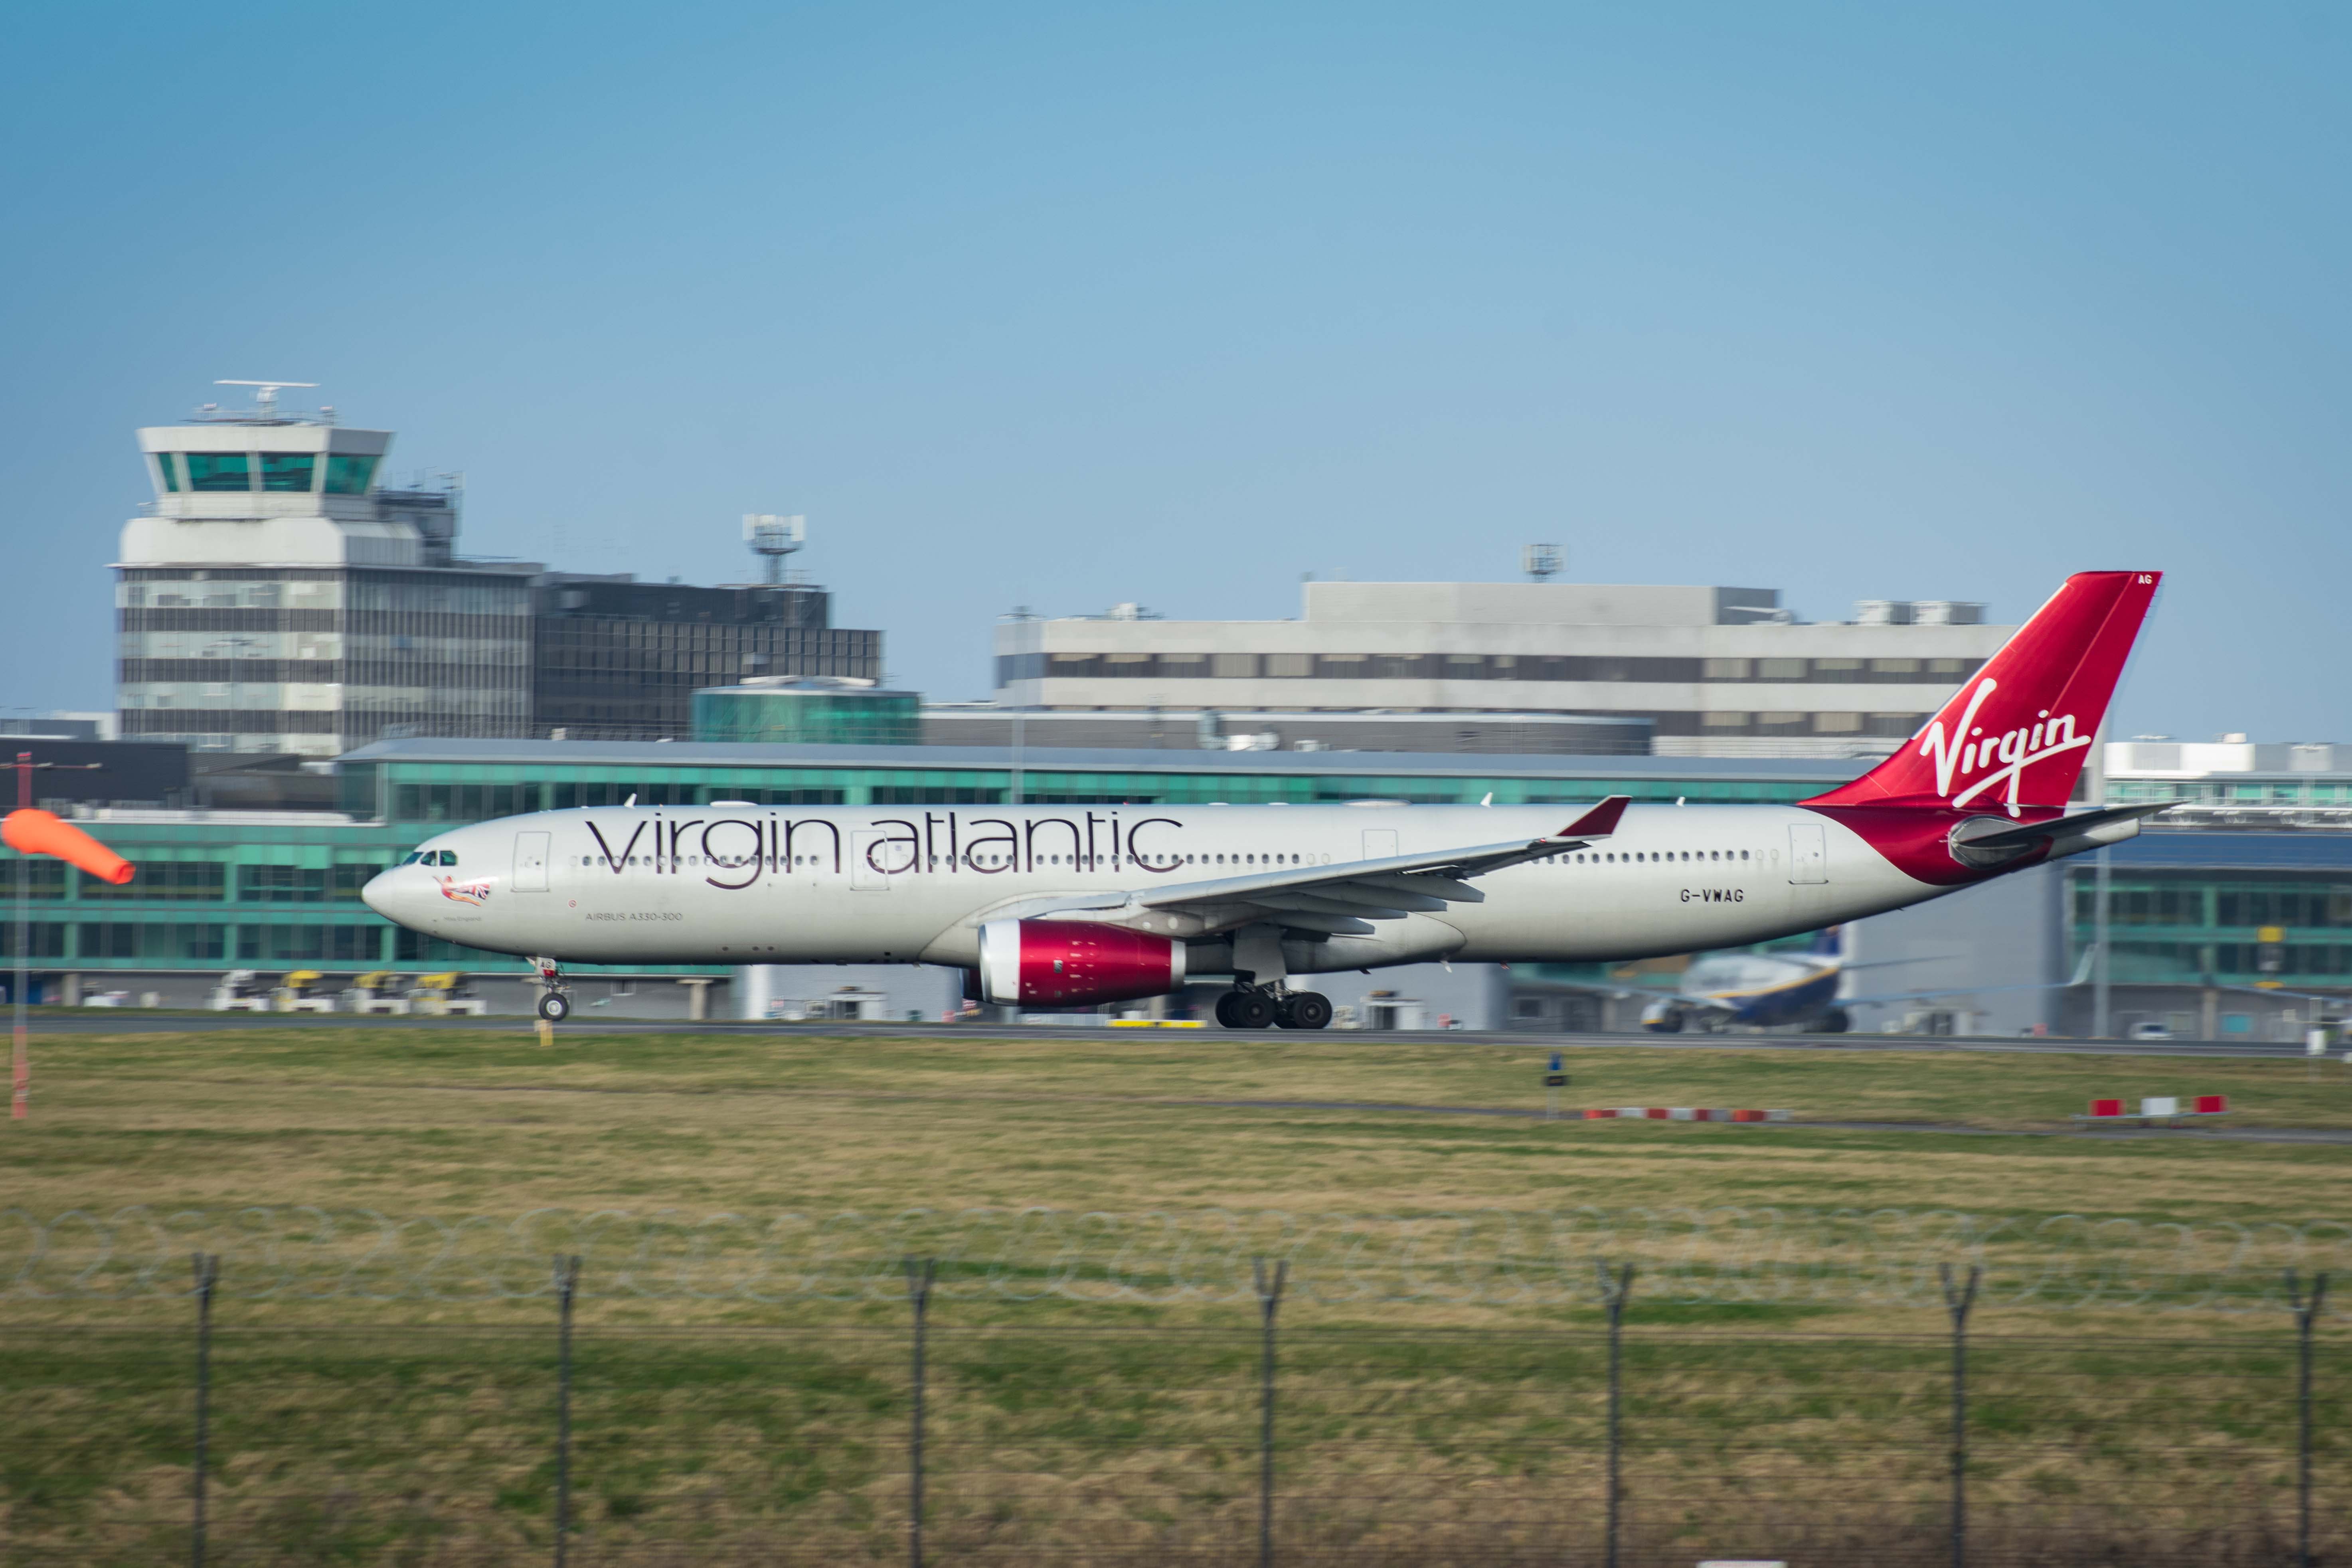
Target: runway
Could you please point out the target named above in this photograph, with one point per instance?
(121, 1021)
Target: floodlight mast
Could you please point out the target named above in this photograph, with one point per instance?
(773, 537)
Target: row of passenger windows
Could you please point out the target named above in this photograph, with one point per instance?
(1083, 863)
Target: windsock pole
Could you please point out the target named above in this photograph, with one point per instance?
(20, 1059)
(30, 832)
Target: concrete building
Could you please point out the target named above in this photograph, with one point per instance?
(1714, 671)
(273, 598)
(276, 598)
(616, 660)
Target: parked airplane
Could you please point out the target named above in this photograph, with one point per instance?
(1786, 990)
(1062, 906)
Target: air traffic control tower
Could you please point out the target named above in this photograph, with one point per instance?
(273, 597)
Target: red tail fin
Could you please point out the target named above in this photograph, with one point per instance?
(2019, 731)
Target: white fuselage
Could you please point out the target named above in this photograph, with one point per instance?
(658, 884)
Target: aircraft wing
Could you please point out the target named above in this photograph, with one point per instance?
(1343, 898)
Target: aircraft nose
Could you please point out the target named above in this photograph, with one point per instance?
(377, 894)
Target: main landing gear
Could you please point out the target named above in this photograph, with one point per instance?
(1255, 1007)
(554, 996)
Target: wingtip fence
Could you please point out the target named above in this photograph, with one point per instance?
(1481, 1258)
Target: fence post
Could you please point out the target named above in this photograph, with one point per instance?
(567, 1286)
(1957, 1299)
(919, 1291)
(1613, 1292)
(2307, 1316)
(208, 1267)
(1269, 1301)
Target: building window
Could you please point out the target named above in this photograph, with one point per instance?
(281, 884)
(1725, 669)
(288, 470)
(1234, 666)
(1780, 670)
(1907, 667)
(1289, 666)
(219, 471)
(1837, 723)
(1781, 720)
(167, 469)
(164, 881)
(43, 938)
(348, 475)
(1724, 721)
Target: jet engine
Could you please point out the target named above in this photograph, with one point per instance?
(1060, 964)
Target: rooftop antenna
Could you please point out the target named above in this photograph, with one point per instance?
(1541, 561)
(265, 400)
(773, 538)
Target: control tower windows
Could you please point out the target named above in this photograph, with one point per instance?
(288, 470)
(167, 469)
(220, 470)
(348, 475)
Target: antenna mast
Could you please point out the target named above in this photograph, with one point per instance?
(1541, 562)
(772, 537)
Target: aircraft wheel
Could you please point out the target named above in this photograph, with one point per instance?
(1835, 1022)
(1245, 1010)
(1305, 1010)
(554, 1006)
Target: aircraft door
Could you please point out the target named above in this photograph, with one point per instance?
(1380, 843)
(866, 847)
(1808, 858)
(530, 863)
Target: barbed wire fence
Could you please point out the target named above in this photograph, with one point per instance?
(1489, 1258)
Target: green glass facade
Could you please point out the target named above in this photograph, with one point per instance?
(2191, 908)
(2225, 926)
(768, 716)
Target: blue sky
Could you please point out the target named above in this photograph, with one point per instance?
(1061, 306)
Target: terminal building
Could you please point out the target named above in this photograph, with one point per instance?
(1711, 671)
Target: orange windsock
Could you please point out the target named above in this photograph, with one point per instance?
(32, 832)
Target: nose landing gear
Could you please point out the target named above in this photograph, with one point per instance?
(554, 996)
(1259, 1007)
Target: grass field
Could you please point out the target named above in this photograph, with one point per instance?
(418, 1431)
(455, 1121)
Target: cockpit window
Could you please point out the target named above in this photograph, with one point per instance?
(413, 856)
(448, 857)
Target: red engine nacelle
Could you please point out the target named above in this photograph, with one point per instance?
(1059, 963)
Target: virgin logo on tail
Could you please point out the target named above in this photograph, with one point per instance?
(1969, 750)
(2017, 734)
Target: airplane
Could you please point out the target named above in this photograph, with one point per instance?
(1053, 906)
(1780, 990)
